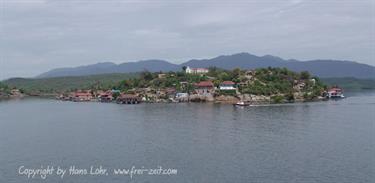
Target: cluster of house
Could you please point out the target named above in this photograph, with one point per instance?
(201, 89)
(101, 96)
(137, 95)
(207, 87)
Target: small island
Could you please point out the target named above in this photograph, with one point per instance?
(257, 86)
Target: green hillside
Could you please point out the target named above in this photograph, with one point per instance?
(350, 83)
(61, 84)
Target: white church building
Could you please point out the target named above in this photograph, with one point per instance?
(190, 70)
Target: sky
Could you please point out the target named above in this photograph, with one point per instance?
(39, 35)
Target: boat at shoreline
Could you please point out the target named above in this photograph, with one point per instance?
(335, 93)
(242, 104)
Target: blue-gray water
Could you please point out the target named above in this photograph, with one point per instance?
(309, 142)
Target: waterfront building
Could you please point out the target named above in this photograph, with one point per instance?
(105, 96)
(204, 87)
(82, 96)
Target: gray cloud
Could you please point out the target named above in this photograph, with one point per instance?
(38, 35)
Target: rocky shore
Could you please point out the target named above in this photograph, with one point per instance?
(12, 94)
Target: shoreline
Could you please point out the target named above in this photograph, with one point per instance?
(220, 102)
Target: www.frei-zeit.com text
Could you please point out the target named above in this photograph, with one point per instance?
(44, 171)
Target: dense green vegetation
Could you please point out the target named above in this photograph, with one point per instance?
(4, 91)
(271, 81)
(3, 85)
(351, 83)
(4, 88)
(62, 84)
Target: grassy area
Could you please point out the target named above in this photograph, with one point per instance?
(61, 84)
(350, 83)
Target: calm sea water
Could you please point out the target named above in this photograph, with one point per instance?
(330, 141)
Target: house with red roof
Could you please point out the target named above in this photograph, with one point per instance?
(204, 87)
(81, 96)
(106, 96)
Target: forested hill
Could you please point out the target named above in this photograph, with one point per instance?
(321, 68)
(58, 84)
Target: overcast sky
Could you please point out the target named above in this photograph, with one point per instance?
(39, 35)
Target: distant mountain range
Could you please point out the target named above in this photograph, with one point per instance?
(321, 68)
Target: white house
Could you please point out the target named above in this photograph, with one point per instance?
(196, 70)
(227, 85)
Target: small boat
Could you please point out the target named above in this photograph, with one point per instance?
(335, 93)
(241, 103)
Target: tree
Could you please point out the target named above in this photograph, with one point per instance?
(305, 75)
(146, 75)
(217, 82)
(290, 97)
(3, 86)
(236, 73)
(115, 95)
(224, 76)
(184, 68)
